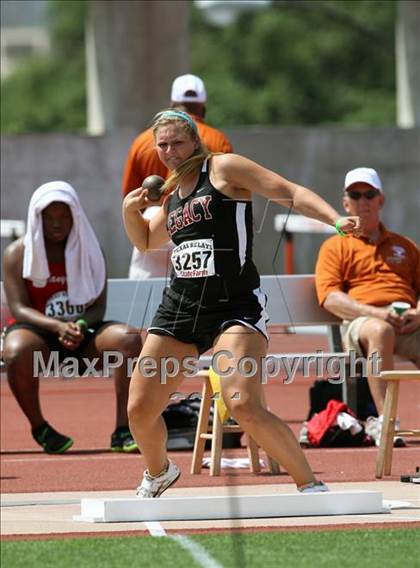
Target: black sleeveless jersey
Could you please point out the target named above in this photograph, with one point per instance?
(213, 234)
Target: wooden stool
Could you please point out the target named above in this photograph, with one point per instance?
(215, 434)
(392, 378)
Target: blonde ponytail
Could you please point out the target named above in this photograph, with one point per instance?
(188, 167)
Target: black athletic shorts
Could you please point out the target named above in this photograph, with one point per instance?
(51, 339)
(190, 322)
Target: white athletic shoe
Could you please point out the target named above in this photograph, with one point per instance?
(374, 429)
(303, 436)
(152, 487)
(314, 487)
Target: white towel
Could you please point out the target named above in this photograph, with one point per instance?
(85, 264)
(235, 463)
(347, 422)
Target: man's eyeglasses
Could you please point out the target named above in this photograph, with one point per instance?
(356, 195)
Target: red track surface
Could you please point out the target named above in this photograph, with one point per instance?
(84, 409)
(242, 530)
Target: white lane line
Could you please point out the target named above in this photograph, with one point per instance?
(200, 554)
(155, 528)
(395, 504)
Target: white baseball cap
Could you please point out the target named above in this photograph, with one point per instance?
(188, 89)
(363, 175)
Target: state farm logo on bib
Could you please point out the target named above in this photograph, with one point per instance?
(59, 307)
(194, 259)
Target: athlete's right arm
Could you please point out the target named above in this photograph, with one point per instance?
(145, 235)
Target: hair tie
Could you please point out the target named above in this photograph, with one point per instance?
(177, 114)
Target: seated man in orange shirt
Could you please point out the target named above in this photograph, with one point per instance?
(358, 278)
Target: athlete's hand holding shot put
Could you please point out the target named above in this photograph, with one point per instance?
(214, 298)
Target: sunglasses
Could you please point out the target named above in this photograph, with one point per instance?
(356, 195)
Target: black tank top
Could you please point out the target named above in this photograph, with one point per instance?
(212, 233)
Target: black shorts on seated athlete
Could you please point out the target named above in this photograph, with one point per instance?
(191, 322)
(52, 341)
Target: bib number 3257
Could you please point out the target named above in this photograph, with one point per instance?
(194, 259)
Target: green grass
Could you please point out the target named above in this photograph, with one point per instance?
(381, 548)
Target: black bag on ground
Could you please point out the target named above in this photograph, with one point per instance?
(181, 420)
(335, 437)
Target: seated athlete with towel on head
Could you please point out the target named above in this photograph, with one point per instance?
(55, 282)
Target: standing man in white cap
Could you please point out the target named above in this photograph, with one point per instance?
(189, 95)
(359, 278)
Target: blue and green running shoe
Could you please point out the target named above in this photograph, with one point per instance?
(123, 441)
(50, 440)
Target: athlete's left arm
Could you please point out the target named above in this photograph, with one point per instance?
(242, 173)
